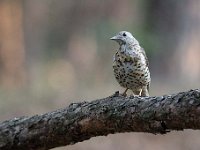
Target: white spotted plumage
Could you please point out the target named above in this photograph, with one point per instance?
(130, 65)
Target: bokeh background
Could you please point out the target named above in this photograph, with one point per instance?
(54, 52)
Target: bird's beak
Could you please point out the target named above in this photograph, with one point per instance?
(114, 38)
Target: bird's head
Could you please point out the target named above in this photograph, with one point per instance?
(124, 37)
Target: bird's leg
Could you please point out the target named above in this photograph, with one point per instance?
(140, 92)
(137, 93)
(124, 94)
(145, 92)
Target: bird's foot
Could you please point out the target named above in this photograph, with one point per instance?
(134, 96)
(124, 94)
(116, 94)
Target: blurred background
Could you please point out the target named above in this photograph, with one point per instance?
(53, 53)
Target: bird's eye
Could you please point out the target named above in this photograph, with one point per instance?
(124, 34)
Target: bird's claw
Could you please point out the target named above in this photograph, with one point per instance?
(124, 94)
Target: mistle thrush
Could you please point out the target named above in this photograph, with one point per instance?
(130, 65)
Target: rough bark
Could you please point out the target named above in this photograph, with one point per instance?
(114, 114)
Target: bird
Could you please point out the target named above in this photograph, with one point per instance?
(130, 65)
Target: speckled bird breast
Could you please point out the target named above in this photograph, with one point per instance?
(130, 72)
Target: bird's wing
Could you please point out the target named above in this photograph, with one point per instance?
(147, 63)
(145, 56)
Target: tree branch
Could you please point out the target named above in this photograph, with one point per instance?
(114, 114)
